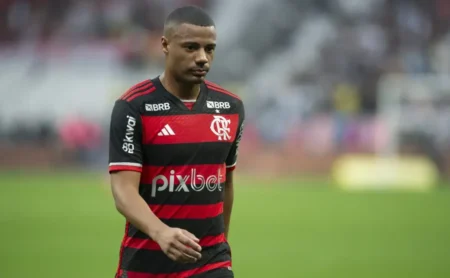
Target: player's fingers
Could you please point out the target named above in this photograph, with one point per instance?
(178, 256)
(174, 254)
(190, 235)
(189, 242)
(188, 251)
(171, 256)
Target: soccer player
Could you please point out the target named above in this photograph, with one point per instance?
(173, 147)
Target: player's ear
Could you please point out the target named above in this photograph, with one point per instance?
(165, 45)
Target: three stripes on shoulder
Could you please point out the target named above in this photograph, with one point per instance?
(140, 89)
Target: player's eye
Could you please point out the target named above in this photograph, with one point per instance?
(190, 47)
(210, 49)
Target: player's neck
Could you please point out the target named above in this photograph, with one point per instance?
(180, 90)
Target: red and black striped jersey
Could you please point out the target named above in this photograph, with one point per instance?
(183, 151)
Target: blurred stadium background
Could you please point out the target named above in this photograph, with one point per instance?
(344, 165)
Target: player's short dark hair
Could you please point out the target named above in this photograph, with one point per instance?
(191, 15)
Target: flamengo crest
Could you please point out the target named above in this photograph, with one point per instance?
(220, 127)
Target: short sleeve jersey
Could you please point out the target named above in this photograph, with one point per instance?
(183, 154)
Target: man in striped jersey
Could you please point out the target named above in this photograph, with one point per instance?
(173, 148)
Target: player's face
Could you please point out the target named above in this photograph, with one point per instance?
(190, 52)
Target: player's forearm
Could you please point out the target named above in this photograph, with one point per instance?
(228, 206)
(131, 205)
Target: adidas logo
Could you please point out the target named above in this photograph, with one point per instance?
(166, 131)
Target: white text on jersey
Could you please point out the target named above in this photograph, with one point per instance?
(197, 182)
(128, 141)
(218, 104)
(157, 107)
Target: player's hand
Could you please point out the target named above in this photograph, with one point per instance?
(179, 245)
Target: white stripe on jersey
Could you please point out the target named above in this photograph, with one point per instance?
(125, 164)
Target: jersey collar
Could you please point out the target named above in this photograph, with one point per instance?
(199, 104)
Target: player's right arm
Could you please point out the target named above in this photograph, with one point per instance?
(125, 167)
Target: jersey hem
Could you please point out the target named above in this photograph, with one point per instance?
(187, 273)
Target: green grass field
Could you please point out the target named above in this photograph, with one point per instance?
(65, 225)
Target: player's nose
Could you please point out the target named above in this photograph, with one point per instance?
(201, 57)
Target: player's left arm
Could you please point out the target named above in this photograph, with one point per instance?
(228, 201)
(231, 165)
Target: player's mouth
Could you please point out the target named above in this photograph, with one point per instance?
(199, 72)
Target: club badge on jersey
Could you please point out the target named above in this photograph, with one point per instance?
(220, 127)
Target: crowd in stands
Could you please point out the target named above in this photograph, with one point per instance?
(291, 59)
